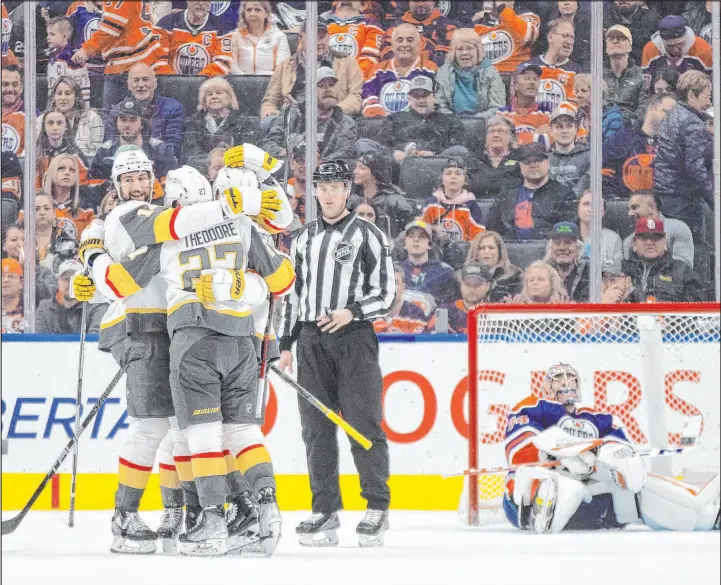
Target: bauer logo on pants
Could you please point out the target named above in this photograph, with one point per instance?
(343, 252)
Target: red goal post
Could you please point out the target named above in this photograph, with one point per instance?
(644, 349)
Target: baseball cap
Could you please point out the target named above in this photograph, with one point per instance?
(523, 67)
(68, 266)
(563, 109)
(419, 224)
(421, 82)
(564, 229)
(532, 150)
(646, 225)
(131, 108)
(619, 28)
(672, 27)
(326, 73)
(476, 271)
(12, 266)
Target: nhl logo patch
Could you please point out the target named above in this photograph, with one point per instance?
(343, 252)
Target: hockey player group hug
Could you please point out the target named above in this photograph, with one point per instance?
(188, 284)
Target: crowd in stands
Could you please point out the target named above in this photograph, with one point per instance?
(467, 124)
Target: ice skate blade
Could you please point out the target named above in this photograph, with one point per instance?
(237, 542)
(368, 541)
(213, 547)
(124, 546)
(319, 539)
(170, 546)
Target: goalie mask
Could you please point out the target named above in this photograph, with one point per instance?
(562, 384)
(241, 179)
(132, 159)
(186, 186)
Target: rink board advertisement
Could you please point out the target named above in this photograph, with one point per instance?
(425, 405)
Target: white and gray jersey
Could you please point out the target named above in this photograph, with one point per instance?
(345, 265)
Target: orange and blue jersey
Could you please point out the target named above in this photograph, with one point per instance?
(85, 22)
(461, 222)
(526, 123)
(411, 319)
(436, 32)
(360, 37)
(386, 92)
(556, 84)
(507, 43)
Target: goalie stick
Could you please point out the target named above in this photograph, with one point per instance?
(689, 438)
(9, 526)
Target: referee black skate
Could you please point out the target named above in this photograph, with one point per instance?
(344, 279)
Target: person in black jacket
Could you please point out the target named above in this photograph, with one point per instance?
(372, 184)
(490, 251)
(497, 168)
(682, 177)
(529, 211)
(655, 274)
(564, 254)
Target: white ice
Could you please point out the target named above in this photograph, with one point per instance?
(422, 548)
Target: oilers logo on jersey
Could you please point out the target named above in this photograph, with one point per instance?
(498, 45)
(394, 95)
(90, 27)
(219, 8)
(344, 44)
(452, 229)
(11, 139)
(191, 59)
(579, 428)
(551, 93)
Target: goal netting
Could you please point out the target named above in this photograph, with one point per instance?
(650, 365)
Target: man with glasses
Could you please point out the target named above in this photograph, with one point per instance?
(675, 47)
(655, 274)
(623, 77)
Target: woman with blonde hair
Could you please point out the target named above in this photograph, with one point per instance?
(257, 45)
(468, 84)
(217, 122)
(489, 250)
(62, 183)
(541, 284)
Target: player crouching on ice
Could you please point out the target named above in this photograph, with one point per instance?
(606, 486)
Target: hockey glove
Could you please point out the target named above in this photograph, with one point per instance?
(619, 464)
(92, 242)
(269, 204)
(253, 158)
(582, 465)
(219, 284)
(83, 287)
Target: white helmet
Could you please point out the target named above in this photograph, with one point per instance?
(185, 186)
(131, 159)
(241, 179)
(562, 379)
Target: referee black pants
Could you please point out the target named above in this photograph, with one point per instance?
(341, 369)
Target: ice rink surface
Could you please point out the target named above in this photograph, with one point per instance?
(422, 548)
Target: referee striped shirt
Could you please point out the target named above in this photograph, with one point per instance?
(345, 265)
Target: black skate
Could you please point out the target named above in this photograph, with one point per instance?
(371, 528)
(207, 536)
(131, 535)
(241, 518)
(319, 530)
(169, 529)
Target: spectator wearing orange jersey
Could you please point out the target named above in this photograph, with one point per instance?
(474, 281)
(435, 31)
(452, 208)
(194, 41)
(506, 35)
(126, 36)
(640, 17)
(557, 69)
(354, 34)
(258, 45)
(62, 184)
(13, 110)
(406, 316)
(524, 112)
(675, 46)
(13, 313)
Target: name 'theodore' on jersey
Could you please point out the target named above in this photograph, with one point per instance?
(345, 265)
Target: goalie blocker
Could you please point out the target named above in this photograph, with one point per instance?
(607, 487)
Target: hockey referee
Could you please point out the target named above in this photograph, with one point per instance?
(344, 279)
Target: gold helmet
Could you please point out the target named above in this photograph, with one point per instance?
(562, 379)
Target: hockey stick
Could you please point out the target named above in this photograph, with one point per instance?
(9, 526)
(78, 403)
(689, 438)
(330, 414)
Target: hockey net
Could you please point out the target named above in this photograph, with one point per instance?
(651, 366)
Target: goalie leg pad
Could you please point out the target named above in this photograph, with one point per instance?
(136, 460)
(667, 504)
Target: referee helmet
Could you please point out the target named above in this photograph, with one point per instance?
(331, 171)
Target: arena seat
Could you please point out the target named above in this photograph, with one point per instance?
(522, 254)
(475, 134)
(485, 205)
(455, 254)
(420, 175)
(616, 218)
